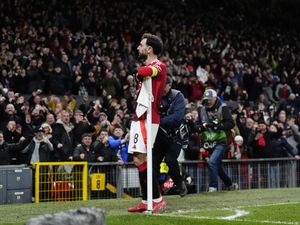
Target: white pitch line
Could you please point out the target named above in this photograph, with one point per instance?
(238, 213)
(271, 204)
(268, 221)
(224, 218)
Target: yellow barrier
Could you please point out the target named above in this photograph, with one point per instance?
(60, 181)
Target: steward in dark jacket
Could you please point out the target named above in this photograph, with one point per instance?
(168, 142)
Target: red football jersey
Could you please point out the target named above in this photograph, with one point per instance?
(158, 85)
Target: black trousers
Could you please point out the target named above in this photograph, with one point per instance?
(168, 150)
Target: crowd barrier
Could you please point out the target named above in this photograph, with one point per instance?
(60, 181)
(249, 174)
(70, 181)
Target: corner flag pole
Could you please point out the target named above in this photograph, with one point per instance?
(149, 148)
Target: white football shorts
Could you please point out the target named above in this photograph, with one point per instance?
(138, 136)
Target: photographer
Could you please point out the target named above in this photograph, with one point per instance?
(215, 121)
(168, 142)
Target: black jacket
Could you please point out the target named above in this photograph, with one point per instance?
(225, 123)
(61, 136)
(7, 150)
(172, 110)
(105, 151)
(89, 156)
(280, 148)
(79, 129)
(260, 148)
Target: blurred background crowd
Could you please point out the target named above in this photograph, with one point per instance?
(68, 74)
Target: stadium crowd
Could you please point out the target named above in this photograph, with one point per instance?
(68, 75)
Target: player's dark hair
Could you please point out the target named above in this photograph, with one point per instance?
(154, 41)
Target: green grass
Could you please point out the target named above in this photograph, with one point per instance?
(265, 205)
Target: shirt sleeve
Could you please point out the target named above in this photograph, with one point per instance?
(149, 71)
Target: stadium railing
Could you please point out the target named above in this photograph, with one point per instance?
(70, 181)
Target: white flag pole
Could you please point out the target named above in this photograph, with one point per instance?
(149, 148)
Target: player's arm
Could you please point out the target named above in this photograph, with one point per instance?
(148, 71)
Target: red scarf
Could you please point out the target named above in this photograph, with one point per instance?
(261, 142)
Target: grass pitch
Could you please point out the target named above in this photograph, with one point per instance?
(264, 206)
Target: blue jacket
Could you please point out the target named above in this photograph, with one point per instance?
(173, 110)
(120, 149)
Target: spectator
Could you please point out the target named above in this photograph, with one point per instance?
(34, 77)
(119, 144)
(197, 88)
(85, 151)
(280, 148)
(193, 152)
(39, 149)
(66, 70)
(11, 135)
(292, 134)
(111, 84)
(7, 149)
(92, 84)
(245, 126)
(47, 129)
(103, 123)
(10, 114)
(37, 116)
(63, 138)
(260, 141)
(94, 112)
(55, 81)
(282, 119)
(81, 126)
(50, 119)
(103, 150)
(283, 90)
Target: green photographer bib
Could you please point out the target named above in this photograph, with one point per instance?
(211, 136)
